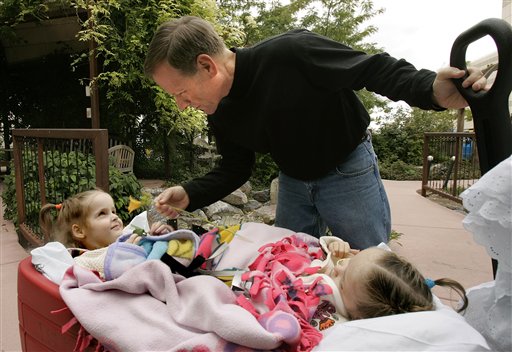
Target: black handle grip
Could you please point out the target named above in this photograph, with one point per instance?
(501, 32)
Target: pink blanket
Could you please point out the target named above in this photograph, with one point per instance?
(150, 309)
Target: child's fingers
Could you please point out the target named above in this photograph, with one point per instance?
(353, 252)
(159, 228)
(156, 227)
(134, 238)
(340, 249)
(168, 228)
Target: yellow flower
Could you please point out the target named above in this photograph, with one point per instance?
(144, 202)
(134, 204)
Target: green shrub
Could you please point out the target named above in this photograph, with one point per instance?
(121, 187)
(265, 170)
(66, 174)
(9, 197)
(399, 170)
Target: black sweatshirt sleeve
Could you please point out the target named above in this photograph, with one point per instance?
(333, 64)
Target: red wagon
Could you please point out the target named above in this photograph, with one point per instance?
(42, 313)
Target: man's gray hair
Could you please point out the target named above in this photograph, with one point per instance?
(178, 42)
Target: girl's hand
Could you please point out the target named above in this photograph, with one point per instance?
(160, 228)
(341, 249)
(133, 239)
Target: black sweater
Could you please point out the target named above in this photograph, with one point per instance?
(293, 97)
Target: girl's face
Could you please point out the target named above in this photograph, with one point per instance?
(349, 275)
(102, 226)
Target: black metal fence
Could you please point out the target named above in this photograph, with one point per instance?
(450, 164)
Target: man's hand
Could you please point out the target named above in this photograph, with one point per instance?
(446, 95)
(171, 200)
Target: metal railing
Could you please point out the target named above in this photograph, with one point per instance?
(450, 164)
(52, 164)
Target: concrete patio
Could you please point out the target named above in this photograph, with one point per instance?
(433, 239)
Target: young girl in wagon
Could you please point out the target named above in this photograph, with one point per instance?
(333, 284)
(378, 282)
(86, 224)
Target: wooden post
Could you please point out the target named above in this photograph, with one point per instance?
(460, 120)
(93, 73)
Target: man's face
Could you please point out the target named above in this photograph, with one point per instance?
(198, 90)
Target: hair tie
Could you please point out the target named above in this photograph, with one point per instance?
(430, 283)
(58, 206)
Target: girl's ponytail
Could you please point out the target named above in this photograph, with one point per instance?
(47, 219)
(457, 287)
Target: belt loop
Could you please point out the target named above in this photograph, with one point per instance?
(367, 136)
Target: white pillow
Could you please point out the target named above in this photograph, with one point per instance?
(52, 260)
(439, 330)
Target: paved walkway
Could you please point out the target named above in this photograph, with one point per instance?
(433, 239)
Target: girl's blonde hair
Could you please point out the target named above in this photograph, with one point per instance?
(393, 286)
(56, 220)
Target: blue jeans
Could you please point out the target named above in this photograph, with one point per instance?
(350, 200)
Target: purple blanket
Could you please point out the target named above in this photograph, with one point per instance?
(150, 309)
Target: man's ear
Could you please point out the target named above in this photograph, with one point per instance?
(205, 62)
(77, 232)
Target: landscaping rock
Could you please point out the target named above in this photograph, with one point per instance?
(236, 198)
(262, 196)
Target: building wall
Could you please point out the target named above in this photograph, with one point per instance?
(491, 59)
(507, 11)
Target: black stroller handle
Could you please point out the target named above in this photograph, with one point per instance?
(501, 32)
(491, 116)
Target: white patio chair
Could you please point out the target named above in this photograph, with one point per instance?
(123, 157)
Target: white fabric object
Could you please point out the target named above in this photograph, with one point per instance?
(439, 330)
(489, 202)
(490, 315)
(139, 221)
(52, 260)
